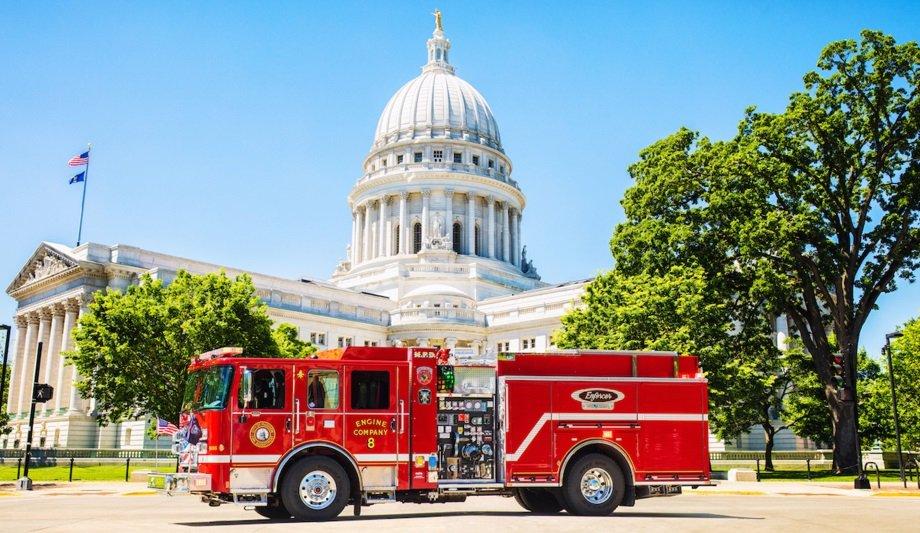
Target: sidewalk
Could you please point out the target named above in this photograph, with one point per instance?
(805, 488)
(77, 488)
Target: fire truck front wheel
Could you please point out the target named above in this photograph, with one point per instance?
(540, 501)
(594, 485)
(315, 488)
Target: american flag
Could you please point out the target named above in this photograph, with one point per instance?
(165, 427)
(79, 160)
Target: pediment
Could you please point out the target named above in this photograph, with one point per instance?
(44, 263)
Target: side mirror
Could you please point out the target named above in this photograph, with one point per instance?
(246, 387)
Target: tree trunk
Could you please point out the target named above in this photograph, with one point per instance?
(846, 458)
(768, 450)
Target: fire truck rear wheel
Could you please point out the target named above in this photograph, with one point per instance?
(540, 501)
(594, 485)
(315, 488)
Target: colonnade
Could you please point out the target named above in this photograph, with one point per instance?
(391, 213)
(51, 325)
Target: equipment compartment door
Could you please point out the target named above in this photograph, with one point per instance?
(262, 429)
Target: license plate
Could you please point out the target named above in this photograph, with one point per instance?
(664, 490)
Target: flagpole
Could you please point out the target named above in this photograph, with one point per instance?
(83, 201)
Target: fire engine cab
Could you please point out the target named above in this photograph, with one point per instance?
(584, 431)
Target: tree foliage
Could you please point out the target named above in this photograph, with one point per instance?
(289, 344)
(132, 348)
(905, 357)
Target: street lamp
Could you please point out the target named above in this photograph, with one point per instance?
(894, 401)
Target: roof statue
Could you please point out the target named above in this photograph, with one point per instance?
(437, 20)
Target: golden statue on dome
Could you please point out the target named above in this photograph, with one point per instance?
(437, 20)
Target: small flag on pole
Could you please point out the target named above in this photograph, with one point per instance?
(164, 427)
(78, 178)
(79, 160)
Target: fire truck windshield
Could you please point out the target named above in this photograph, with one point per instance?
(207, 389)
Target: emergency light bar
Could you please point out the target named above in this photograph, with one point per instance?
(220, 352)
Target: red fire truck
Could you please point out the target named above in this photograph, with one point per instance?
(583, 431)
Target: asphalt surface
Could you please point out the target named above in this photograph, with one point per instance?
(116, 509)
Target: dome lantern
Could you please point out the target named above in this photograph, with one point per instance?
(438, 47)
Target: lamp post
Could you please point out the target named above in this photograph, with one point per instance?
(5, 343)
(894, 402)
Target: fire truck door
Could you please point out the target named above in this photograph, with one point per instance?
(317, 404)
(373, 421)
(262, 428)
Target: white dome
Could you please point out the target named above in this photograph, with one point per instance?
(437, 105)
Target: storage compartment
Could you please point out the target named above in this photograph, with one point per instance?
(466, 423)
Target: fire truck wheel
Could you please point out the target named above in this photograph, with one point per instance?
(315, 488)
(594, 485)
(540, 501)
(274, 512)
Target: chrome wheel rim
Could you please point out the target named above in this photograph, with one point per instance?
(317, 490)
(596, 486)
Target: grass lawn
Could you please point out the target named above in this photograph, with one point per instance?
(107, 472)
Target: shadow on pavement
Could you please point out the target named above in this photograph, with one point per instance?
(371, 518)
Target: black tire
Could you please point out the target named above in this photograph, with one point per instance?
(539, 501)
(274, 511)
(322, 470)
(604, 490)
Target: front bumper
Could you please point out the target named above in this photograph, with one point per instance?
(179, 483)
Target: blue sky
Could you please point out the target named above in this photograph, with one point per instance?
(232, 132)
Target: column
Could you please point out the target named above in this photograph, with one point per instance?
(491, 227)
(514, 238)
(53, 351)
(27, 369)
(353, 257)
(517, 238)
(470, 223)
(13, 391)
(74, 402)
(403, 242)
(426, 198)
(366, 234)
(382, 227)
(449, 214)
(506, 234)
(358, 243)
(70, 317)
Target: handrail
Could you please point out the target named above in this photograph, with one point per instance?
(878, 473)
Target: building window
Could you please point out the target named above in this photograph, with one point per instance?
(491, 163)
(418, 157)
(476, 160)
(476, 241)
(438, 156)
(267, 390)
(458, 157)
(501, 169)
(416, 237)
(370, 343)
(503, 346)
(41, 442)
(528, 344)
(318, 339)
(458, 238)
(323, 389)
(370, 389)
(345, 342)
(399, 159)
(396, 240)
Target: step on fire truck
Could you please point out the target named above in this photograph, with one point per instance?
(583, 431)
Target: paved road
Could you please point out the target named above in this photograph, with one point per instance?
(110, 511)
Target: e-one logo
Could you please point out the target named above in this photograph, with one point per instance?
(597, 399)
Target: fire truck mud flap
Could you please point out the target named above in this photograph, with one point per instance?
(179, 483)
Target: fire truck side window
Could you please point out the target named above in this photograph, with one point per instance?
(323, 389)
(370, 389)
(267, 390)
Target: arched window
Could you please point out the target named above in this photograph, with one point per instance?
(458, 237)
(416, 237)
(478, 241)
(396, 240)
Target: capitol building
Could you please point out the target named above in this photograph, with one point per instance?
(435, 258)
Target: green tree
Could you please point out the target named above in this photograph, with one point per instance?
(905, 358)
(288, 343)
(5, 416)
(132, 348)
(811, 213)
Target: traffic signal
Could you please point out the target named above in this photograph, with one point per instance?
(839, 378)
